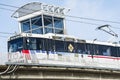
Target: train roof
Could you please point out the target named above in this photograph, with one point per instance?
(63, 37)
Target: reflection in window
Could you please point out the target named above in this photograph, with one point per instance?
(26, 26)
(58, 22)
(58, 31)
(50, 25)
(36, 22)
(38, 31)
(118, 51)
(59, 46)
(31, 43)
(13, 48)
(48, 30)
(40, 44)
(81, 48)
(107, 52)
(48, 21)
(15, 45)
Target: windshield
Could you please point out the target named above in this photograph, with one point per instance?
(15, 45)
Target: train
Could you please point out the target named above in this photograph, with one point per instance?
(43, 41)
(62, 50)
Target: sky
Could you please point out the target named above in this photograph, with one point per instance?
(96, 9)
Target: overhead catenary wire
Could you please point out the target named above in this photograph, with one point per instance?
(7, 9)
(115, 27)
(8, 5)
(67, 16)
(3, 36)
(83, 22)
(66, 19)
(92, 19)
(6, 33)
(14, 6)
(78, 21)
(85, 18)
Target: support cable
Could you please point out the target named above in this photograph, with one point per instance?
(5, 70)
(10, 69)
(14, 69)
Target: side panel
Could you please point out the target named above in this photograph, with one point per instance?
(48, 52)
(64, 59)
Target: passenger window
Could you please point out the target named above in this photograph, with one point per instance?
(58, 23)
(106, 51)
(26, 26)
(31, 43)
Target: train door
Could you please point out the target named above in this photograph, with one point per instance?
(118, 52)
(41, 51)
(91, 50)
(115, 52)
(49, 46)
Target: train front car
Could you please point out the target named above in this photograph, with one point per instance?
(46, 50)
(35, 49)
(24, 50)
(62, 50)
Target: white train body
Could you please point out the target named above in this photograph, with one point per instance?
(93, 54)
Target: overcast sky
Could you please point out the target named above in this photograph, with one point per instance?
(97, 9)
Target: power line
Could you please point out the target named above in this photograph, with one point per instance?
(4, 36)
(67, 15)
(5, 33)
(89, 23)
(83, 22)
(15, 6)
(7, 9)
(12, 11)
(114, 27)
(93, 19)
(67, 19)
(9, 5)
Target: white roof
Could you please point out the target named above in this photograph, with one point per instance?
(62, 36)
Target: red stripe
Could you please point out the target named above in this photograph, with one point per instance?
(25, 51)
(26, 54)
(106, 57)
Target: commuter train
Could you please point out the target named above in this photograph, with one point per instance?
(62, 50)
